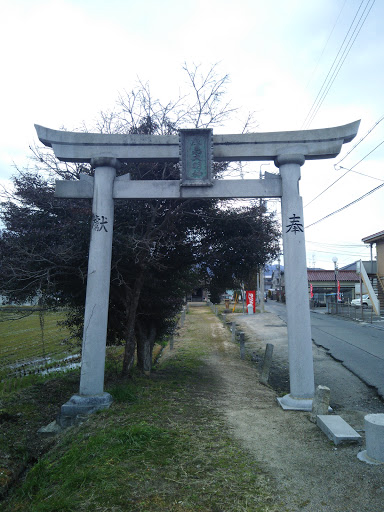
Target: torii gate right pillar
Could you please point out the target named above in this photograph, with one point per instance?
(301, 373)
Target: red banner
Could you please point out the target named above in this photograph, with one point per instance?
(338, 291)
(251, 299)
(311, 290)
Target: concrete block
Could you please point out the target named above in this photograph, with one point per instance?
(50, 430)
(337, 430)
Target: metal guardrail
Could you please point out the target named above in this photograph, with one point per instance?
(353, 313)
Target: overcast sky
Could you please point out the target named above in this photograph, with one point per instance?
(63, 61)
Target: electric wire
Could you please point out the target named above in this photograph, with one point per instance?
(361, 140)
(351, 245)
(330, 69)
(347, 171)
(346, 206)
(331, 185)
(325, 46)
(337, 63)
(364, 157)
(336, 71)
(362, 174)
(339, 253)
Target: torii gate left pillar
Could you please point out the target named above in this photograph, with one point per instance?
(91, 395)
(288, 150)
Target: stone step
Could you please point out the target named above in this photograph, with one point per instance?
(337, 430)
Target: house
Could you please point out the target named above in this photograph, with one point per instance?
(324, 283)
(321, 284)
(277, 288)
(377, 274)
(199, 294)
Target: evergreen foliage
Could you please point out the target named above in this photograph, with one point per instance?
(161, 248)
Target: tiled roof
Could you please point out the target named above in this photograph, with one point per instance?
(373, 238)
(329, 275)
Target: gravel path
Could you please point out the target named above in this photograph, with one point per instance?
(310, 473)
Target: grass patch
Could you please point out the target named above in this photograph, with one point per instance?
(21, 338)
(25, 350)
(158, 448)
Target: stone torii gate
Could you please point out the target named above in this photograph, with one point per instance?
(196, 149)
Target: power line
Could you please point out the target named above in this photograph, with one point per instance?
(333, 63)
(331, 185)
(362, 174)
(347, 205)
(338, 62)
(361, 140)
(348, 170)
(338, 252)
(326, 44)
(364, 157)
(351, 246)
(337, 70)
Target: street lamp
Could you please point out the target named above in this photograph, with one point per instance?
(334, 259)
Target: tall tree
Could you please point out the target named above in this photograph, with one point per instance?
(159, 246)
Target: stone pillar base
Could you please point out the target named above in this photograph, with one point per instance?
(288, 403)
(364, 457)
(79, 406)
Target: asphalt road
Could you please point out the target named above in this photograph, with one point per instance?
(358, 346)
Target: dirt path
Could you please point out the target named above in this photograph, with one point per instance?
(311, 474)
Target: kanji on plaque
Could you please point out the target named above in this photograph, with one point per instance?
(294, 226)
(196, 157)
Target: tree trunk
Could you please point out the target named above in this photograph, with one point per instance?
(129, 351)
(145, 342)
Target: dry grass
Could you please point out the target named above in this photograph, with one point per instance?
(162, 446)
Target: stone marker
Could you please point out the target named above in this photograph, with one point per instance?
(320, 404)
(250, 309)
(264, 376)
(242, 345)
(374, 438)
(233, 329)
(337, 430)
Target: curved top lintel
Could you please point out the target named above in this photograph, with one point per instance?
(82, 147)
